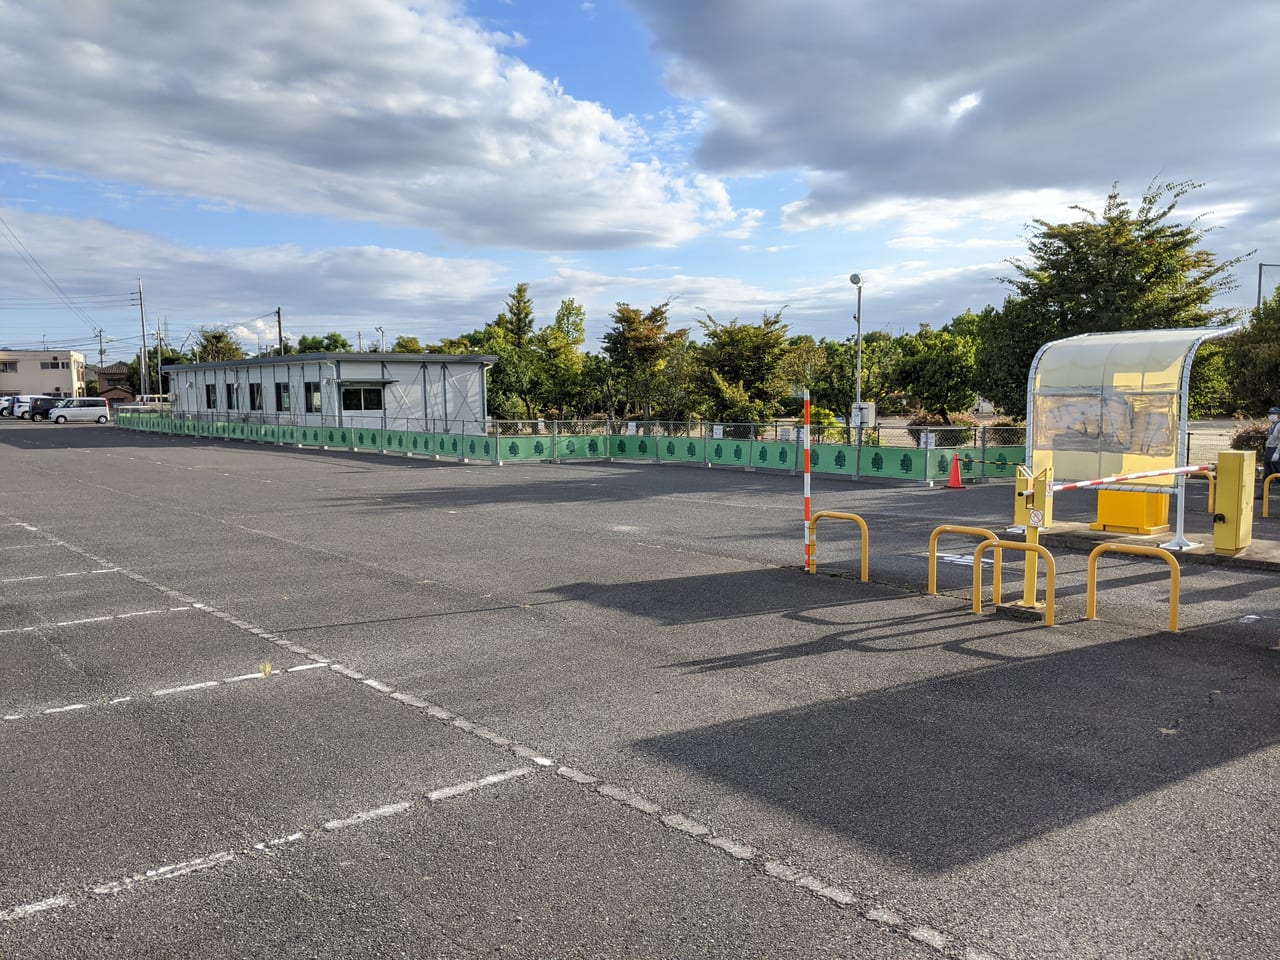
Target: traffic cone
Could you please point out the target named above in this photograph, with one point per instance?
(954, 483)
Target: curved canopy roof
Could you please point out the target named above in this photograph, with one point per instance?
(1103, 404)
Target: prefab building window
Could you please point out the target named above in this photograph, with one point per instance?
(361, 398)
(282, 398)
(311, 396)
(231, 397)
(255, 396)
(210, 396)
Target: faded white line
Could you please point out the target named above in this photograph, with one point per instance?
(184, 868)
(68, 708)
(30, 909)
(166, 872)
(164, 692)
(458, 789)
(390, 810)
(52, 576)
(184, 689)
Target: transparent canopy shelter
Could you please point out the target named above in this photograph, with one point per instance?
(1110, 404)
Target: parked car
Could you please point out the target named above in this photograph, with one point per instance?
(19, 406)
(81, 409)
(39, 407)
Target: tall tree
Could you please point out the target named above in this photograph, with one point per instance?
(332, 342)
(1254, 358)
(558, 360)
(748, 357)
(215, 345)
(935, 371)
(636, 345)
(407, 345)
(1122, 269)
(511, 335)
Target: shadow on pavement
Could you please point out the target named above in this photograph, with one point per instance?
(951, 770)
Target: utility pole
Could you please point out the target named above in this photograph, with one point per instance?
(359, 343)
(102, 351)
(280, 331)
(160, 339)
(144, 373)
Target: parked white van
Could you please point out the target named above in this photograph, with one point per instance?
(81, 409)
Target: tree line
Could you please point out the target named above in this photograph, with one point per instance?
(1121, 268)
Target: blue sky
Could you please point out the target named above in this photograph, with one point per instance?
(370, 163)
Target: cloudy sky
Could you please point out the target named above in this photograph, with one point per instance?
(376, 163)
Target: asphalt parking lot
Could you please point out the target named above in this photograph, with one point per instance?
(260, 701)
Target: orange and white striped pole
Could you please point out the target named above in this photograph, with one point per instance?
(808, 503)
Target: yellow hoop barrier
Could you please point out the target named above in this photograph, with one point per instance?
(1212, 483)
(813, 538)
(1266, 494)
(1175, 577)
(980, 532)
(1050, 573)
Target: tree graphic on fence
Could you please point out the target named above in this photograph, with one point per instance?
(943, 463)
(877, 462)
(693, 450)
(904, 465)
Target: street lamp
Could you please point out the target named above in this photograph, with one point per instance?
(382, 340)
(856, 280)
(1260, 266)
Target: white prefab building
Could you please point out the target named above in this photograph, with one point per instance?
(392, 391)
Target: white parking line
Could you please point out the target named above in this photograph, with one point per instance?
(103, 619)
(839, 895)
(54, 576)
(166, 691)
(173, 871)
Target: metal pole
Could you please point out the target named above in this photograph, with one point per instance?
(858, 388)
(144, 379)
(808, 515)
(280, 331)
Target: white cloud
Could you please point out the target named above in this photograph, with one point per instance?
(352, 109)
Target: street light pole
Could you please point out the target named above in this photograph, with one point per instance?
(1260, 266)
(856, 280)
(382, 340)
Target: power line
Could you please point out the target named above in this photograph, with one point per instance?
(38, 268)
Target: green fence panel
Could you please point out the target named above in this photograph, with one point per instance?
(898, 463)
(367, 438)
(632, 447)
(1003, 461)
(576, 447)
(524, 448)
(682, 449)
(938, 463)
(478, 447)
(415, 441)
(775, 455)
(733, 453)
(832, 458)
